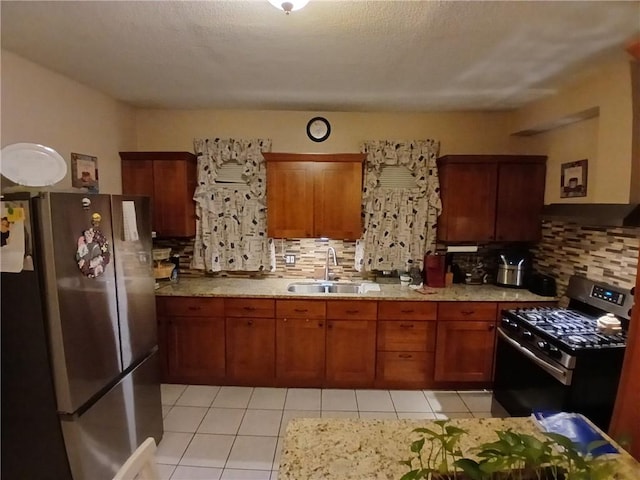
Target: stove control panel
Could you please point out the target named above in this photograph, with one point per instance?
(608, 295)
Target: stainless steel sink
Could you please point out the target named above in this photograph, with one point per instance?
(324, 287)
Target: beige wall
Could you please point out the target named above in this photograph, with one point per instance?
(40, 106)
(466, 132)
(605, 141)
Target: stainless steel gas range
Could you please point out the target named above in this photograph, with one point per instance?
(565, 359)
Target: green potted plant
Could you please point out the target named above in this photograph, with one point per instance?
(513, 456)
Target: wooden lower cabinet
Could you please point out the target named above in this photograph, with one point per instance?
(191, 339)
(251, 351)
(464, 351)
(300, 343)
(195, 349)
(251, 341)
(406, 344)
(465, 341)
(351, 353)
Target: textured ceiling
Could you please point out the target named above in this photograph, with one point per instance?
(331, 55)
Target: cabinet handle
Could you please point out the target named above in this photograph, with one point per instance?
(284, 319)
(249, 309)
(405, 355)
(406, 325)
(300, 310)
(491, 327)
(330, 325)
(249, 322)
(406, 311)
(468, 312)
(320, 324)
(351, 312)
(194, 308)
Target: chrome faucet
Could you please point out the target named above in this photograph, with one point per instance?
(326, 263)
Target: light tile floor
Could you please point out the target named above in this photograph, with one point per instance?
(235, 433)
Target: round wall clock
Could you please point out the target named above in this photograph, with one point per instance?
(318, 129)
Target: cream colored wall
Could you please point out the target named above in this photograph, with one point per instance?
(605, 141)
(466, 132)
(41, 106)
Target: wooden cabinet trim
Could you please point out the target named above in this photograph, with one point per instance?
(190, 306)
(249, 307)
(459, 311)
(315, 309)
(449, 159)
(407, 310)
(143, 156)
(314, 157)
(352, 309)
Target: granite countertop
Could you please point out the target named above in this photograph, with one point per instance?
(277, 288)
(344, 449)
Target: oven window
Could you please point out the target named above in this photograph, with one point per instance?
(521, 386)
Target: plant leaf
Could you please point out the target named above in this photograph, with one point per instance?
(417, 445)
(470, 467)
(412, 475)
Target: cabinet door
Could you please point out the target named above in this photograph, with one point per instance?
(195, 349)
(137, 177)
(520, 201)
(338, 200)
(300, 348)
(174, 185)
(351, 353)
(468, 202)
(290, 199)
(464, 351)
(251, 350)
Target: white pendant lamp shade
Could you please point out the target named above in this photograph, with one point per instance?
(289, 6)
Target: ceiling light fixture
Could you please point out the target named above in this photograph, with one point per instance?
(289, 7)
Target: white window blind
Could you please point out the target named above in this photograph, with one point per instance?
(396, 176)
(230, 172)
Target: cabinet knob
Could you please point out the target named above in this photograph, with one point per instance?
(330, 325)
(249, 322)
(194, 308)
(249, 309)
(300, 310)
(406, 325)
(351, 312)
(405, 355)
(320, 324)
(284, 319)
(406, 311)
(467, 312)
(491, 327)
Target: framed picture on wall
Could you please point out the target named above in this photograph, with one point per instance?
(84, 171)
(573, 179)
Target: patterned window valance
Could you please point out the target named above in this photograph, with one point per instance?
(399, 225)
(231, 223)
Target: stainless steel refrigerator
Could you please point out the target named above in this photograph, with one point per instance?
(80, 368)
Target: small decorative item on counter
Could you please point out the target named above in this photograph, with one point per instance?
(448, 277)
(405, 280)
(175, 259)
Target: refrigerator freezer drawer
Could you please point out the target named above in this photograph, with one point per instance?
(100, 440)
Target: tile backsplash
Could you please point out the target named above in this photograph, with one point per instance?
(310, 255)
(607, 254)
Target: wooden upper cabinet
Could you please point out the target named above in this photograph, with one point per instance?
(314, 195)
(488, 198)
(169, 178)
(290, 199)
(520, 201)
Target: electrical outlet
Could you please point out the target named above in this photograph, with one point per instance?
(289, 259)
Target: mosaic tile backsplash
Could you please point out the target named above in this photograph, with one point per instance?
(310, 255)
(607, 254)
(599, 253)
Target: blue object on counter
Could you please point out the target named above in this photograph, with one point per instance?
(575, 427)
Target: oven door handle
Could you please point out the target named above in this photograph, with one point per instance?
(563, 376)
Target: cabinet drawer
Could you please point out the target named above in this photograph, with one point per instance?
(407, 310)
(467, 311)
(249, 307)
(407, 335)
(358, 310)
(315, 309)
(401, 367)
(190, 306)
